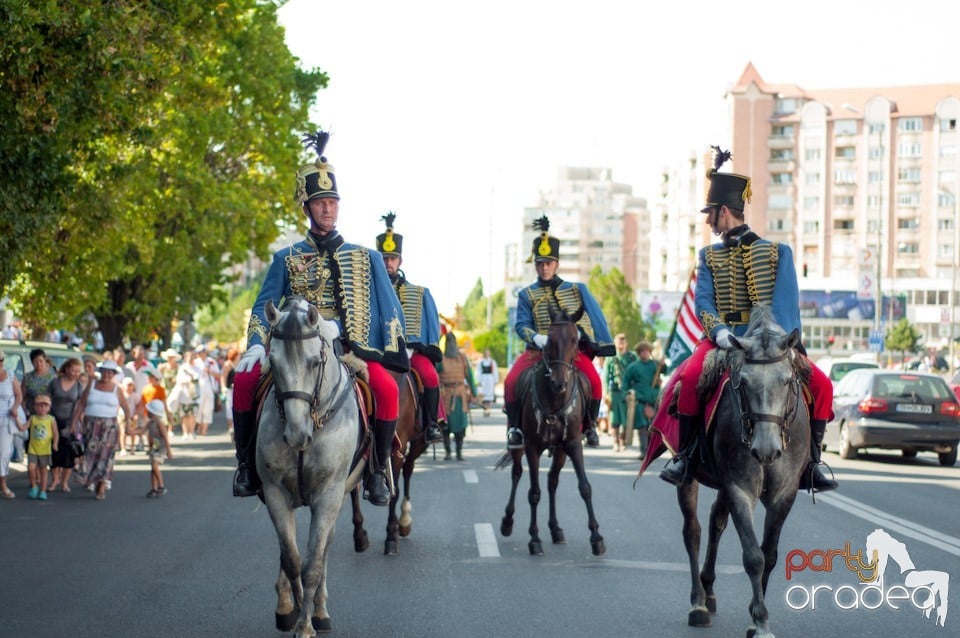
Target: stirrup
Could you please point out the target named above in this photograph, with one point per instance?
(514, 439)
(590, 434)
(676, 475)
(433, 434)
(375, 496)
(245, 482)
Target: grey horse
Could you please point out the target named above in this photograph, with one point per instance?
(756, 450)
(307, 439)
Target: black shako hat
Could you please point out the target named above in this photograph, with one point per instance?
(316, 180)
(545, 247)
(726, 189)
(390, 243)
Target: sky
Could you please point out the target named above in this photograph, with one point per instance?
(456, 114)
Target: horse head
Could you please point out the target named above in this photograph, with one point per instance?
(561, 349)
(764, 373)
(300, 347)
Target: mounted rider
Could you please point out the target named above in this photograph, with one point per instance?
(422, 323)
(349, 285)
(534, 304)
(733, 276)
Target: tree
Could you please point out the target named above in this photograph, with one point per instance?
(621, 310)
(172, 158)
(903, 337)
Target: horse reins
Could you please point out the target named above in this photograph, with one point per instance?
(748, 418)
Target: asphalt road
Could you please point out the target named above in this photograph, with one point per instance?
(198, 562)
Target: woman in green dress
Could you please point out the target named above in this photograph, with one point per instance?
(457, 388)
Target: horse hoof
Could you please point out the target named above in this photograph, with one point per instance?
(506, 527)
(321, 625)
(536, 548)
(286, 622)
(699, 617)
(361, 544)
(712, 603)
(405, 530)
(391, 548)
(599, 549)
(557, 536)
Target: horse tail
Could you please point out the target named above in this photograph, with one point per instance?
(504, 461)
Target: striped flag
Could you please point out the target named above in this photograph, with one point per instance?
(686, 330)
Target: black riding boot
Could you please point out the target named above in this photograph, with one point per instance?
(683, 465)
(812, 477)
(245, 479)
(446, 445)
(458, 439)
(431, 400)
(377, 485)
(514, 435)
(590, 423)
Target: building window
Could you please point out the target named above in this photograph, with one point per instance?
(910, 124)
(872, 226)
(786, 105)
(811, 154)
(843, 224)
(781, 155)
(875, 152)
(782, 130)
(908, 149)
(845, 176)
(873, 202)
(776, 225)
(811, 178)
(908, 223)
(945, 251)
(781, 178)
(911, 174)
(843, 201)
(908, 199)
(781, 202)
(811, 227)
(908, 248)
(948, 124)
(944, 224)
(811, 203)
(944, 199)
(874, 176)
(845, 152)
(845, 127)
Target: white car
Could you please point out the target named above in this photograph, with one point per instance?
(835, 368)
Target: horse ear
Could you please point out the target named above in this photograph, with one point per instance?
(575, 317)
(793, 339)
(271, 312)
(552, 313)
(313, 316)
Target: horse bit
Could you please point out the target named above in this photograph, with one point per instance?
(319, 420)
(748, 417)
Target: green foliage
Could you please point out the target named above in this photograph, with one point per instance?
(496, 341)
(146, 147)
(474, 310)
(226, 322)
(903, 338)
(619, 306)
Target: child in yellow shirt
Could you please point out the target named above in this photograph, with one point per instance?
(44, 437)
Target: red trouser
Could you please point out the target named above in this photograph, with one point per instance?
(529, 359)
(820, 385)
(384, 388)
(424, 367)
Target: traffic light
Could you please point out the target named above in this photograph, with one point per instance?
(804, 269)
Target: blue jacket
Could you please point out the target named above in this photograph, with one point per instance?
(533, 315)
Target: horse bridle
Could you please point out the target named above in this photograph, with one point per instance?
(748, 418)
(342, 392)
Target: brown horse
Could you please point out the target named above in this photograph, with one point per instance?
(412, 445)
(553, 401)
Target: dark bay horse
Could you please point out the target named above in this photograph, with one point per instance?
(553, 400)
(308, 436)
(757, 449)
(412, 445)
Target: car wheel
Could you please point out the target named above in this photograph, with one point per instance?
(948, 459)
(847, 451)
(909, 454)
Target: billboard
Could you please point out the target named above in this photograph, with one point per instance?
(844, 304)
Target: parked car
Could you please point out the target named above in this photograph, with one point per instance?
(837, 368)
(17, 359)
(889, 409)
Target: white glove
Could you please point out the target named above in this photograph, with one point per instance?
(409, 353)
(255, 354)
(723, 339)
(540, 341)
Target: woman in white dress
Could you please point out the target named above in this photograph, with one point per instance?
(10, 399)
(487, 378)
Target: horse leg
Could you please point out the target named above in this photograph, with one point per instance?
(741, 509)
(575, 452)
(360, 539)
(506, 524)
(687, 493)
(391, 546)
(553, 479)
(719, 515)
(533, 497)
(406, 508)
(773, 521)
(323, 518)
(289, 588)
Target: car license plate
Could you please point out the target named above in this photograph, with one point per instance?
(915, 408)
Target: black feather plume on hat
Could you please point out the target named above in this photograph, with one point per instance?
(720, 156)
(317, 141)
(388, 219)
(542, 224)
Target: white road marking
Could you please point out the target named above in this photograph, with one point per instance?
(949, 544)
(486, 540)
(470, 476)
